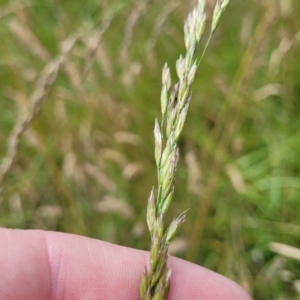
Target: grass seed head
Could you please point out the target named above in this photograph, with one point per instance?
(158, 142)
(218, 12)
(151, 211)
(174, 107)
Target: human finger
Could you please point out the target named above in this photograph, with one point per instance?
(49, 265)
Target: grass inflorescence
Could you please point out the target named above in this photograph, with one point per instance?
(174, 102)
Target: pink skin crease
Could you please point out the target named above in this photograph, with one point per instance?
(45, 265)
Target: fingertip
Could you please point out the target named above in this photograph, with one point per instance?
(190, 281)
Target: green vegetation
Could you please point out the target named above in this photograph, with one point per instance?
(85, 164)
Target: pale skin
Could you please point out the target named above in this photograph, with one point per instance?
(45, 265)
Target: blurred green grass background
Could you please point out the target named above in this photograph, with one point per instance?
(85, 164)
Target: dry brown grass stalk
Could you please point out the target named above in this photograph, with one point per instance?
(158, 26)
(94, 43)
(13, 7)
(43, 86)
(137, 12)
